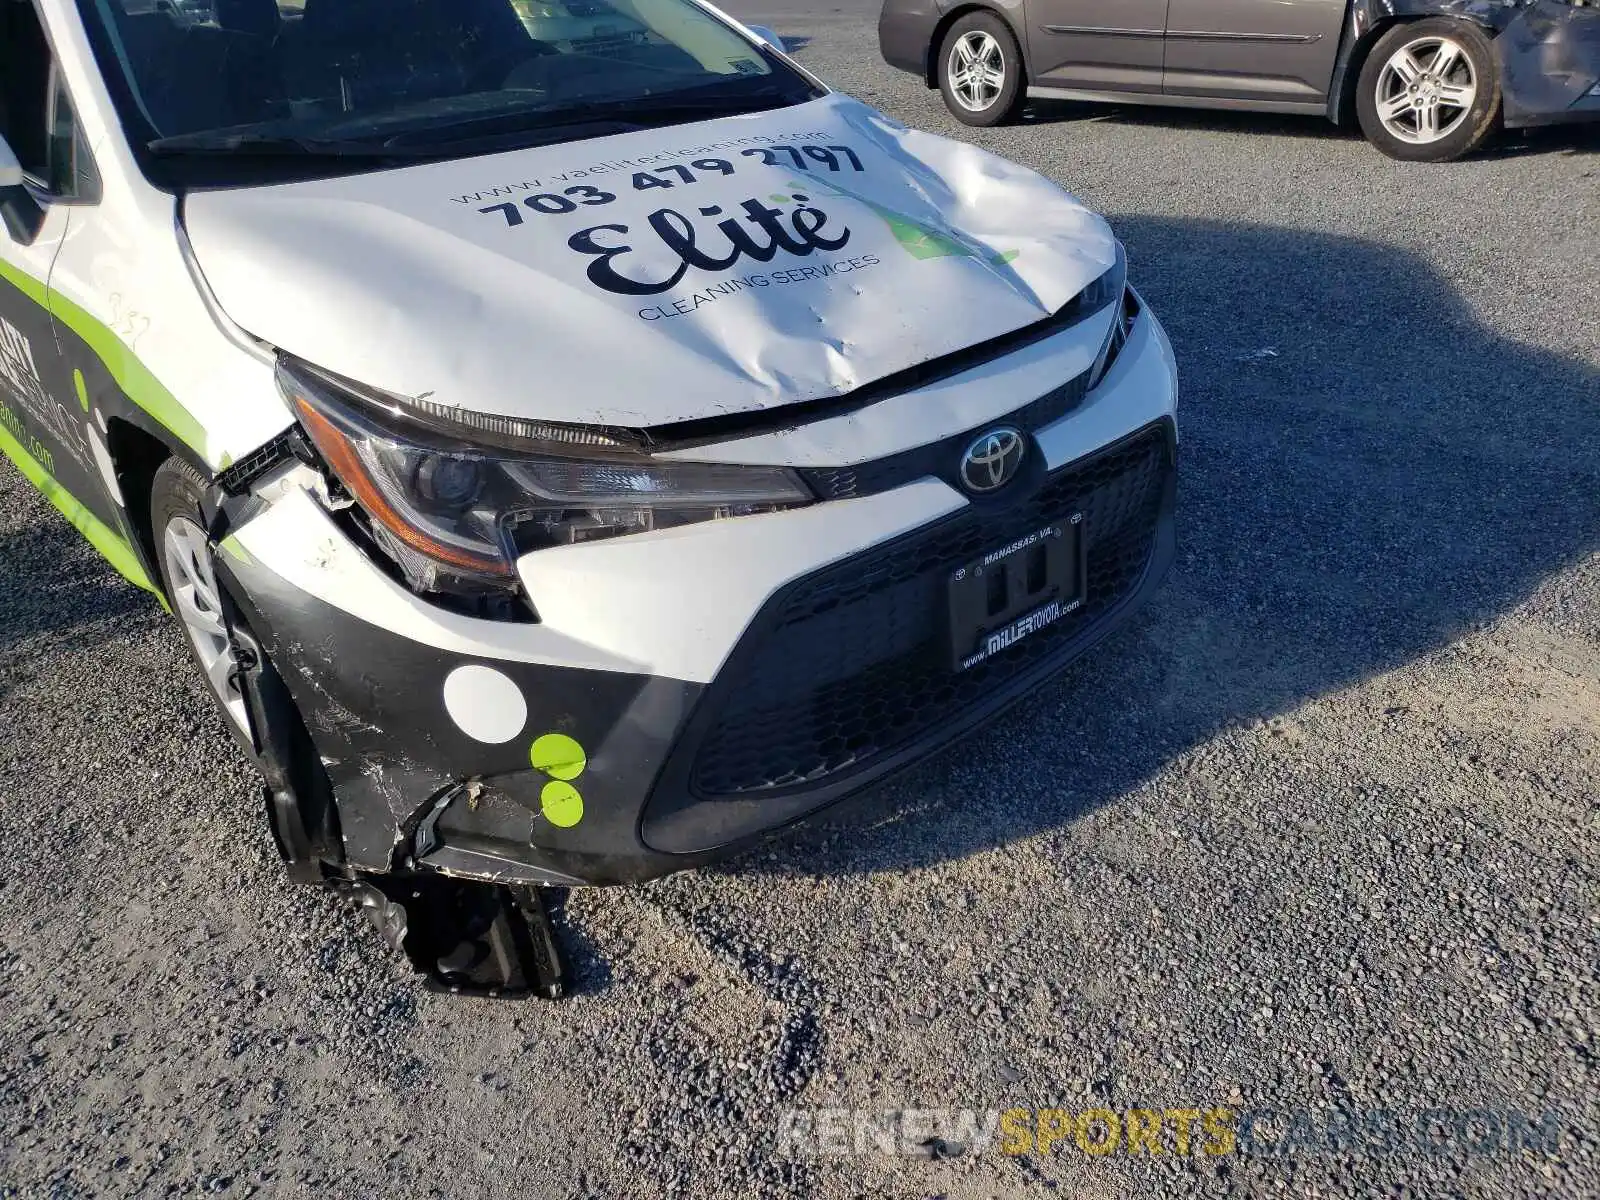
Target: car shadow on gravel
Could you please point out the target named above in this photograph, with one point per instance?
(1576, 140)
(1206, 120)
(53, 585)
(589, 970)
(1367, 472)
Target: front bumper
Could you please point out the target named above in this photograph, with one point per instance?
(1550, 60)
(708, 684)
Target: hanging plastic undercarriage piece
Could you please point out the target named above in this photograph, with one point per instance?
(467, 938)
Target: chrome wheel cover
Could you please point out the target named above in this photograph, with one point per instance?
(198, 603)
(1426, 90)
(976, 70)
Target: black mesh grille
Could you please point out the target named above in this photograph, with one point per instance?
(857, 663)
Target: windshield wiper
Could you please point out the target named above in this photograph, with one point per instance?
(212, 142)
(541, 124)
(501, 131)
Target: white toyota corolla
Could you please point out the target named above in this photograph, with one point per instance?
(574, 440)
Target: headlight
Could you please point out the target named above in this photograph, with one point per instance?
(456, 514)
(1110, 288)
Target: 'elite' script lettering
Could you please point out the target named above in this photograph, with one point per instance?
(802, 234)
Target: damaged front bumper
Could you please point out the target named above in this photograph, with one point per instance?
(689, 691)
(1550, 64)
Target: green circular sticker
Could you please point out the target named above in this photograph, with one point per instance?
(561, 804)
(558, 756)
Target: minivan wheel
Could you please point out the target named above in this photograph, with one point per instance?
(981, 71)
(1430, 91)
(178, 522)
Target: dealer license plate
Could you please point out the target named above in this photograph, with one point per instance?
(1015, 591)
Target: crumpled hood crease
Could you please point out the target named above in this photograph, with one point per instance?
(653, 277)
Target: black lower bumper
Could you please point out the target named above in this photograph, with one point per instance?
(675, 775)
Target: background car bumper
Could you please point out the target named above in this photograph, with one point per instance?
(1550, 54)
(905, 33)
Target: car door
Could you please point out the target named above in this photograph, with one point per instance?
(1275, 52)
(46, 426)
(1096, 45)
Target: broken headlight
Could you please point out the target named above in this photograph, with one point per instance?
(455, 514)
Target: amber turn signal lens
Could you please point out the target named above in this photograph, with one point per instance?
(344, 461)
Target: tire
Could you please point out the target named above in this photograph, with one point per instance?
(982, 38)
(1405, 106)
(183, 555)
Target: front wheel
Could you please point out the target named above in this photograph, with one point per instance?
(178, 522)
(1430, 91)
(981, 71)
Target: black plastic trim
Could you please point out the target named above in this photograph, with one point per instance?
(1102, 31)
(940, 459)
(236, 479)
(1200, 35)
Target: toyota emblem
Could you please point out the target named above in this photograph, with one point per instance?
(992, 461)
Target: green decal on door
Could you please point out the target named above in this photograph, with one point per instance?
(124, 367)
(101, 536)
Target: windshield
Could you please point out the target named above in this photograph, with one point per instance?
(343, 79)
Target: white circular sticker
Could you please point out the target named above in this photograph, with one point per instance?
(486, 704)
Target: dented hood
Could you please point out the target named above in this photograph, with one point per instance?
(654, 276)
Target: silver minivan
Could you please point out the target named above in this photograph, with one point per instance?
(1427, 80)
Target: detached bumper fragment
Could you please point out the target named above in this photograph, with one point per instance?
(470, 938)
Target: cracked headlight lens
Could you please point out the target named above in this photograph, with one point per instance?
(455, 512)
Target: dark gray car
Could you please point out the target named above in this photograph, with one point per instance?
(1426, 79)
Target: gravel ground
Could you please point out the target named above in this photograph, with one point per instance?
(1318, 831)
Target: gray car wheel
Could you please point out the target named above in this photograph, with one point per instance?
(184, 553)
(1430, 91)
(981, 70)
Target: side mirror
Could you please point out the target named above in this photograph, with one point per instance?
(19, 211)
(10, 168)
(769, 37)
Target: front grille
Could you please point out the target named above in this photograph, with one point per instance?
(856, 662)
(940, 458)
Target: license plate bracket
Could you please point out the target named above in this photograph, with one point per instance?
(1016, 590)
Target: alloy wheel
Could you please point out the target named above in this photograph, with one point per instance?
(198, 602)
(1426, 90)
(977, 70)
